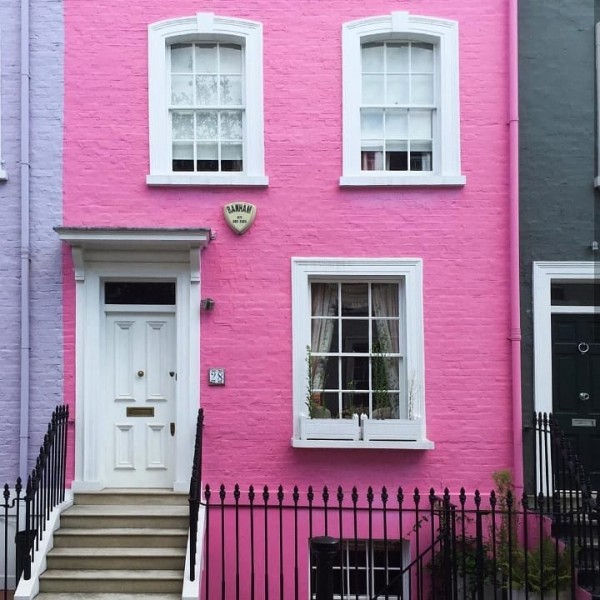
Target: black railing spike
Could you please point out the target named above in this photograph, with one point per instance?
(280, 494)
(462, 497)
(325, 494)
(493, 498)
(222, 492)
(251, 494)
(207, 492)
(354, 495)
(370, 495)
(384, 495)
(432, 497)
(296, 495)
(477, 499)
(265, 494)
(6, 493)
(510, 499)
(340, 495)
(310, 495)
(525, 501)
(416, 496)
(400, 496)
(236, 492)
(446, 498)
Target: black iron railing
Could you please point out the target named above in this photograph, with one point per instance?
(391, 545)
(195, 493)
(45, 489)
(569, 498)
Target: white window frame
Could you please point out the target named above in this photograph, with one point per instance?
(198, 28)
(401, 25)
(336, 433)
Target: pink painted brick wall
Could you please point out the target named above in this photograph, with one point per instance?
(461, 234)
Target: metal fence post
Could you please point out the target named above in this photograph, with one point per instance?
(325, 549)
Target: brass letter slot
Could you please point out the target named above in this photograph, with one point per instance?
(140, 411)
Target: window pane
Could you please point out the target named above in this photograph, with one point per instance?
(396, 156)
(371, 123)
(206, 125)
(420, 156)
(422, 89)
(207, 157)
(206, 90)
(371, 160)
(231, 90)
(331, 402)
(385, 334)
(231, 157)
(397, 89)
(420, 124)
(354, 404)
(575, 294)
(206, 58)
(183, 125)
(181, 58)
(372, 89)
(385, 299)
(182, 90)
(183, 151)
(324, 335)
(355, 372)
(139, 292)
(231, 125)
(355, 335)
(397, 58)
(421, 58)
(231, 58)
(396, 124)
(324, 299)
(332, 373)
(372, 58)
(355, 299)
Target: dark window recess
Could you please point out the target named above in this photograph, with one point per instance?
(575, 294)
(139, 292)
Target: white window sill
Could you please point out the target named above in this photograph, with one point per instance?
(363, 445)
(401, 180)
(204, 179)
(3, 175)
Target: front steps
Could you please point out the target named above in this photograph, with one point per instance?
(119, 544)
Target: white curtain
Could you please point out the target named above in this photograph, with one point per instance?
(385, 304)
(324, 300)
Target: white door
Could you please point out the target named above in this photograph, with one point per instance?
(140, 382)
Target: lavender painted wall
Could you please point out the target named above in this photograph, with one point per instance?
(46, 69)
(461, 234)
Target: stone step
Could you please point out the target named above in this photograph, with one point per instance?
(92, 596)
(126, 537)
(132, 496)
(116, 558)
(112, 581)
(88, 516)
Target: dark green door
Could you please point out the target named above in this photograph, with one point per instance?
(576, 386)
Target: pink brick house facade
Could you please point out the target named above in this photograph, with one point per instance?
(373, 142)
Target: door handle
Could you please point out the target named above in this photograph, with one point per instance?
(584, 396)
(140, 373)
(172, 429)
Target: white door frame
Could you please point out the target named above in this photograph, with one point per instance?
(131, 254)
(544, 273)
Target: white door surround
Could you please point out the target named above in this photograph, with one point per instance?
(544, 273)
(101, 254)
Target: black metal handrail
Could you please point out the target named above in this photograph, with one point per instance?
(195, 493)
(44, 491)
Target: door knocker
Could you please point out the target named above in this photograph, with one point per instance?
(583, 347)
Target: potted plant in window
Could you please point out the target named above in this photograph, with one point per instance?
(385, 423)
(318, 424)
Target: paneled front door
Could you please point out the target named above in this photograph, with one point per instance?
(140, 381)
(576, 385)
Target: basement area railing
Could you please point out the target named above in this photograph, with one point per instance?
(368, 545)
(195, 494)
(25, 514)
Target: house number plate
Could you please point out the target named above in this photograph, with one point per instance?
(583, 422)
